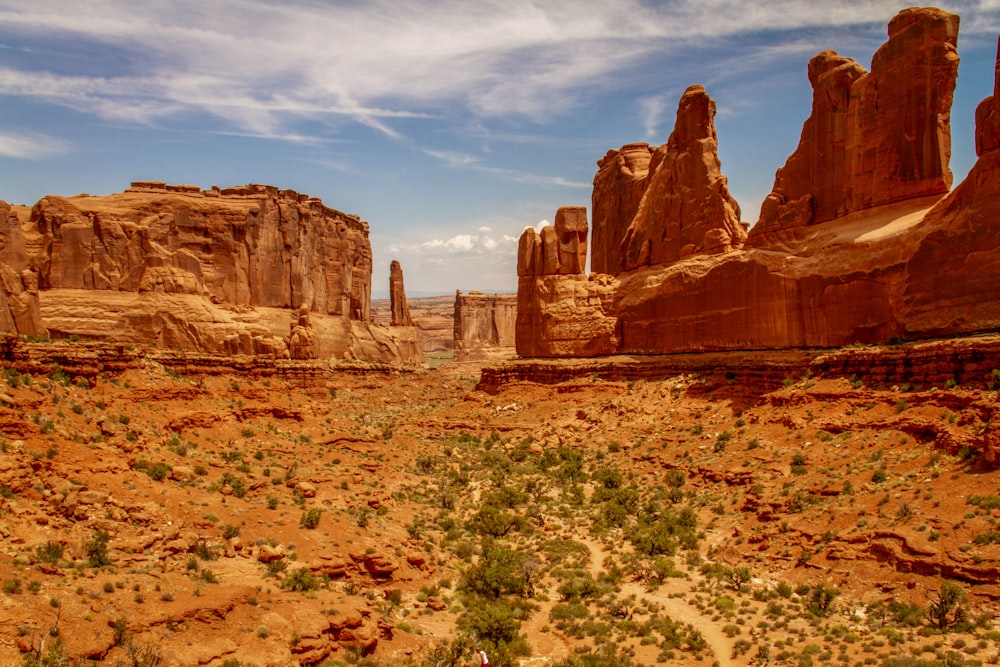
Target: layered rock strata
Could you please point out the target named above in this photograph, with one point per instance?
(183, 268)
(901, 261)
(485, 326)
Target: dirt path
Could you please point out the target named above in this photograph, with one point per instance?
(719, 644)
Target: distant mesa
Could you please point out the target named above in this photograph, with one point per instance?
(860, 239)
(225, 271)
(485, 326)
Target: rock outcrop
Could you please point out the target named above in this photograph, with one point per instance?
(550, 274)
(302, 340)
(619, 185)
(859, 242)
(212, 271)
(876, 137)
(686, 208)
(255, 245)
(397, 297)
(555, 250)
(485, 326)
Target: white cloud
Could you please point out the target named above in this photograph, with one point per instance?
(481, 244)
(260, 65)
(653, 110)
(31, 145)
(451, 158)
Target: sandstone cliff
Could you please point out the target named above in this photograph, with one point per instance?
(219, 271)
(686, 208)
(858, 242)
(485, 326)
(619, 184)
(876, 137)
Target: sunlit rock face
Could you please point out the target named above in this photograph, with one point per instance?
(219, 270)
(686, 208)
(484, 326)
(860, 241)
(873, 138)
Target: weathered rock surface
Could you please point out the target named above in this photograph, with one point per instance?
(873, 138)
(485, 326)
(397, 297)
(899, 261)
(686, 208)
(619, 184)
(187, 269)
(302, 340)
(559, 249)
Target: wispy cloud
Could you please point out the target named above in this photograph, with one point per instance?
(261, 66)
(31, 145)
(466, 161)
(653, 111)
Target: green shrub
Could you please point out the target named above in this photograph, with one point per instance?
(97, 549)
(821, 600)
(50, 552)
(301, 580)
(310, 518)
(158, 471)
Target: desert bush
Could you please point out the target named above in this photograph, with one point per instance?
(500, 571)
(821, 598)
(97, 549)
(50, 552)
(947, 608)
(310, 518)
(301, 580)
(660, 534)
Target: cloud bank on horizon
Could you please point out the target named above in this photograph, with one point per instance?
(449, 125)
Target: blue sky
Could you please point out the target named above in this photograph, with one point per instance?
(449, 125)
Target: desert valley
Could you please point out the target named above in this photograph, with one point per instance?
(686, 440)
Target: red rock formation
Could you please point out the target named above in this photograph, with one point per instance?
(619, 184)
(485, 326)
(397, 297)
(210, 271)
(559, 249)
(988, 116)
(686, 207)
(872, 138)
(253, 246)
(894, 267)
(302, 340)
(953, 278)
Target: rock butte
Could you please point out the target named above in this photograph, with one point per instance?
(859, 242)
(246, 270)
(484, 326)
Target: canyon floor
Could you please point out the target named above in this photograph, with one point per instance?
(156, 517)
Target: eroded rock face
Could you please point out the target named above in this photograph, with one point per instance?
(953, 278)
(397, 297)
(255, 245)
(620, 182)
(873, 138)
(214, 271)
(303, 342)
(559, 249)
(485, 326)
(856, 244)
(686, 208)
